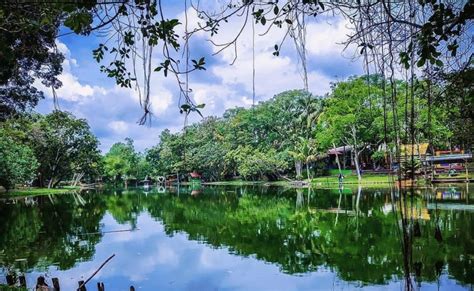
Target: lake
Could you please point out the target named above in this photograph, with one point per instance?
(244, 238)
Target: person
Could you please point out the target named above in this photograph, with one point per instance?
(341, 178)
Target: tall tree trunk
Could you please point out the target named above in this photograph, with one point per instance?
(56, 183)
(307, 171)
(356, 161)
(337, 158)
(356, 152)
(77, 178)
(299, 198)
(298, 167)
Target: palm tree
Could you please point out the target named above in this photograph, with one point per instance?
(310, 110)
(305, 152)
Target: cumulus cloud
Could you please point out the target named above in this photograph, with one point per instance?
(72, 89)
(119, 126)
(327, 37)
(113, 112)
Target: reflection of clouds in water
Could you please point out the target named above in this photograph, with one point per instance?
(150, 260)
(144, 222)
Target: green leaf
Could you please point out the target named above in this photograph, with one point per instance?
(421, 62)
(185, 107)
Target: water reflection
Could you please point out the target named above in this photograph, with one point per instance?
(337, 236)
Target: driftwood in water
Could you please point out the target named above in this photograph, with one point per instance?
(10, 280)
(83, 283)
(82, 286)
(22, 280)
(110, 231)
(41, 283)
(56, 284)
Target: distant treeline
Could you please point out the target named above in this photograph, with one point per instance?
(288, 135)
(291, 133)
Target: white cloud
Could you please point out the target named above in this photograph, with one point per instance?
(275, 74)
(119, 126)
(160, 103)
(72, 89)
(326, 38)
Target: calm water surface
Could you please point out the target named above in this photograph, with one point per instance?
(244, 238)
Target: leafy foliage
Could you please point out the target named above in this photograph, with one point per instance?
(18, 164)
(123, 162)
(27, 52)
(63, 146)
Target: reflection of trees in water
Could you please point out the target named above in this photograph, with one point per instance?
(364, 245)
(49, 232)
(354, 233)
(433, 241)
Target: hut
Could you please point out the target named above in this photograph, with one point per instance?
(450, 166)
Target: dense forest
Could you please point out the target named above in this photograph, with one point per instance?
(45, 150)
(291, 133)
(288, 135)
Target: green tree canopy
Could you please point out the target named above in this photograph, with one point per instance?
(64, 146)
(18, 164)
(123, 162)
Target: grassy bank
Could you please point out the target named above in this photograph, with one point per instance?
(352, 179)
(39, 191)
(326, 181)
(234, 183)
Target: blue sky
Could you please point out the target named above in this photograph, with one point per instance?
(113, 112)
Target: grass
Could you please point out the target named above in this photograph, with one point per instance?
(326, 181)
(352, 179)
(234, 183)
(248, 183)
(39, 191)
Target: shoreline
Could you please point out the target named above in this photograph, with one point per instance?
(24, 192)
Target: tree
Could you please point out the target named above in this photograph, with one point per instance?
(122, 162)
(18, 164)
(349, 117)
(205, 148)
(254, 164)
(456, 99)
(167, 156)
(64, 146)
(27, 52)
(306, 151)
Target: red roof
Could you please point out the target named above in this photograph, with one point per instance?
(195, 174)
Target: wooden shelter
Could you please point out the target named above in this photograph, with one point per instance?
(450, 166)
(419, 151)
